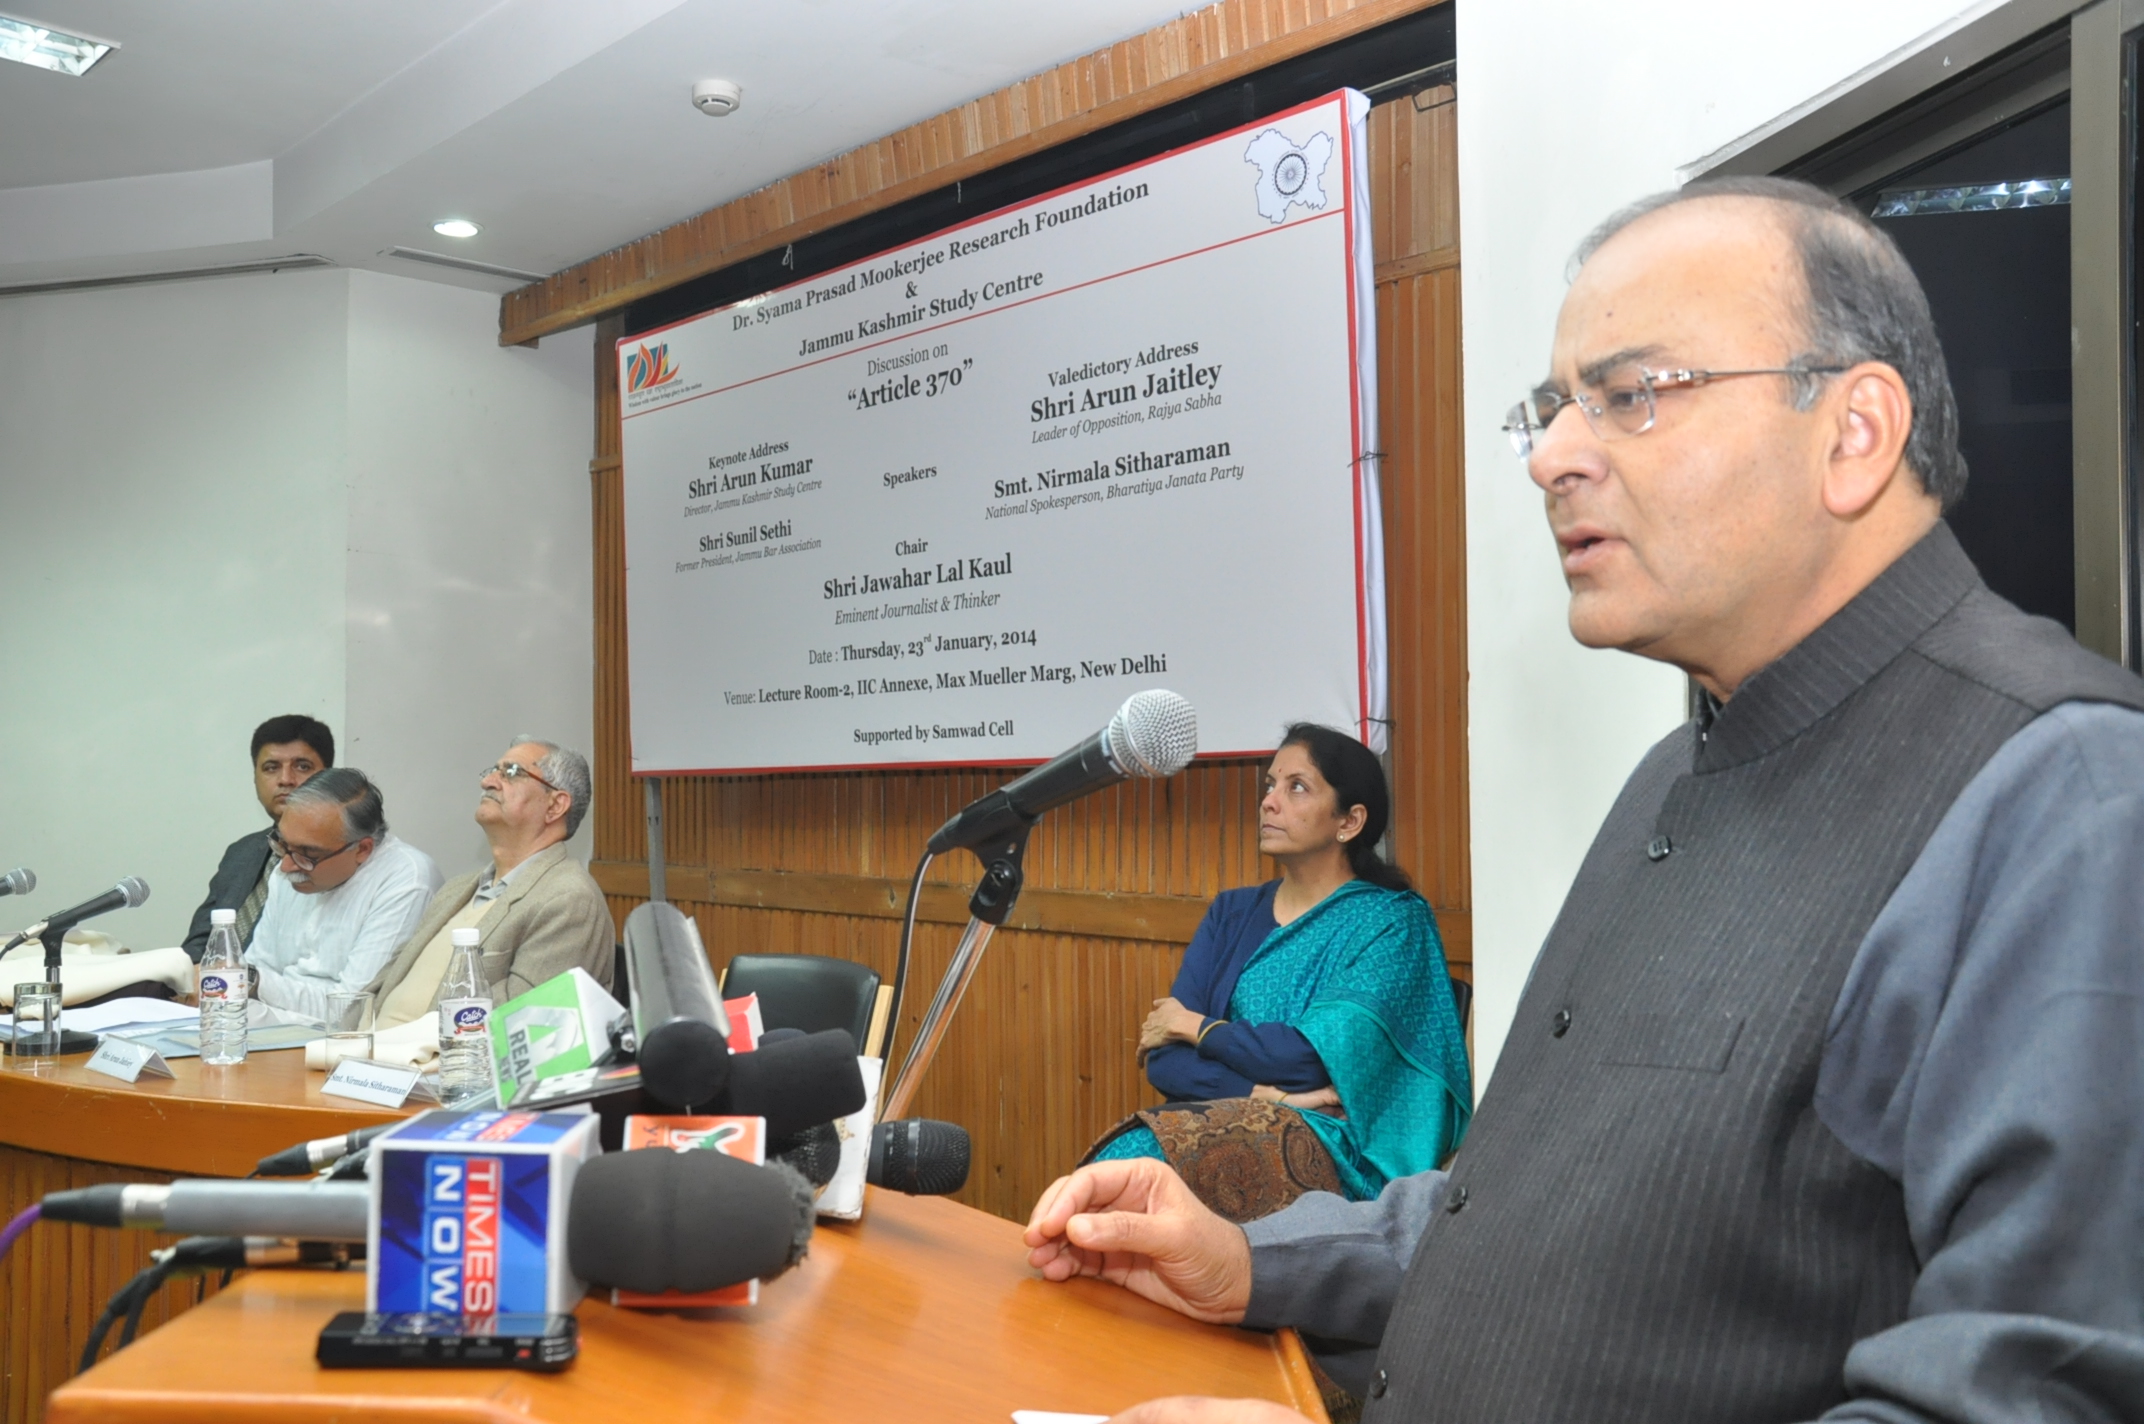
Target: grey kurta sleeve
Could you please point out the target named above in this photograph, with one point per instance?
(1985, 1052)
(1332, 1267)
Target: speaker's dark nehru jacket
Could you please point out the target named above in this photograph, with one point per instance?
(1826, 1097)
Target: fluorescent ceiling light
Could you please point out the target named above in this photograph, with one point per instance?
(456, 227)
(28, 43)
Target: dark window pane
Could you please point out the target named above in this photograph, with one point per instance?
(1999, 285)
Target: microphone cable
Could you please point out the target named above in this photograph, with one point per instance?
(24, 1220)
(195, 1256)
(900, 966)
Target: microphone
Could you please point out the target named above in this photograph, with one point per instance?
(1153, 734)
(813, 1154)
(127, 894)
(919, 1157)
(19, 881)
(682, 1033)
(312, 1211)
(309, 1157)
(654, 1221)
(680, 1028)
(644, 1221)
(795, 1084)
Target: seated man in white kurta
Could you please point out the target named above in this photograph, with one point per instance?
(344, 895)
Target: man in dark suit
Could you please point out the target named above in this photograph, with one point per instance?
(1822, 1100)
(287, 752)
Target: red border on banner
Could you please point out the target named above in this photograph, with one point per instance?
(1347, 213)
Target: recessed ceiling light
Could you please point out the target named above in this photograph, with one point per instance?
(456, 227)
(28, 43)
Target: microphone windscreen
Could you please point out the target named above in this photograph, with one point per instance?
(815, 1152)
(19, 881)
(135, 889)
(779, 1035)
(795, 1083)
(685, 1063)
(919, 1156)
(1155, 733)
(653, 1220)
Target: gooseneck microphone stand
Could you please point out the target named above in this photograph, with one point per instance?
(55, 934)
(987, 909)
(52, 935)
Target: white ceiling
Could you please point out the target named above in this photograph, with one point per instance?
(224, 130)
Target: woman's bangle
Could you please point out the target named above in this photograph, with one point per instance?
(1208, 1027)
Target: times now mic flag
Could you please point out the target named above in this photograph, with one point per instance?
(469, 1213)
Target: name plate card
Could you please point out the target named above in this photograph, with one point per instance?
(387, 1085)
(117, 1058)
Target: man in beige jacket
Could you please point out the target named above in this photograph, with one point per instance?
(537, 911)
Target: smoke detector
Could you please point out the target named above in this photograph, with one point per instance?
(716, 98)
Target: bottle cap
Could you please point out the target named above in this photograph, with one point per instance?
(223, 917)
(467, 936)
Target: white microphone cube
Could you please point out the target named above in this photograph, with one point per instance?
(469, 1213)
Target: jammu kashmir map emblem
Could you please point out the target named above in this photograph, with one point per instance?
(1289, 173)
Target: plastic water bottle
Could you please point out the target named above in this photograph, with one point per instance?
(465, 1061)
(221, 984)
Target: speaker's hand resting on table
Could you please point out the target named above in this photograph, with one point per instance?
(1135, 1223)
(1192, 1409)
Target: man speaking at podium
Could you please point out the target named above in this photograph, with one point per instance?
(1824, 1099)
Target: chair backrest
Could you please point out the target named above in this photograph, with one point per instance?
(807, 991)
(1463, 999)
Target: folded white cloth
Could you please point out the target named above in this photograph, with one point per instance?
(93, 965)
(413, 1045)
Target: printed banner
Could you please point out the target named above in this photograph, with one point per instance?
(955, 503)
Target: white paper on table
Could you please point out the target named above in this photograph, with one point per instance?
(1051, 1416)
(120, 1015)
(843, 1199)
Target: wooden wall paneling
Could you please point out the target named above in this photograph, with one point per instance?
(56, 1267)
(1415, 237)
(1040, 1059)
(1195, 52)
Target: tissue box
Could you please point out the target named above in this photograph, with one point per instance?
(469, 1213)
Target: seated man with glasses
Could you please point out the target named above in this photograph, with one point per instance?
(346, 893)
(536, 910)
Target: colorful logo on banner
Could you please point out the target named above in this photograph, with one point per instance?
(648, 368)
(461, 1234)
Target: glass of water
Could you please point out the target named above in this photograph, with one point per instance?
(349, 1026)
(37, 1020)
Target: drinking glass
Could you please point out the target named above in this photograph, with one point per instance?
(349, 1026)
(37, 1020)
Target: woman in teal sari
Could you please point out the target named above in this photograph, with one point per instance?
(1311, 1040)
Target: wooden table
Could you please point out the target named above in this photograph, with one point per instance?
(925, 1310)
(62, 1126)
